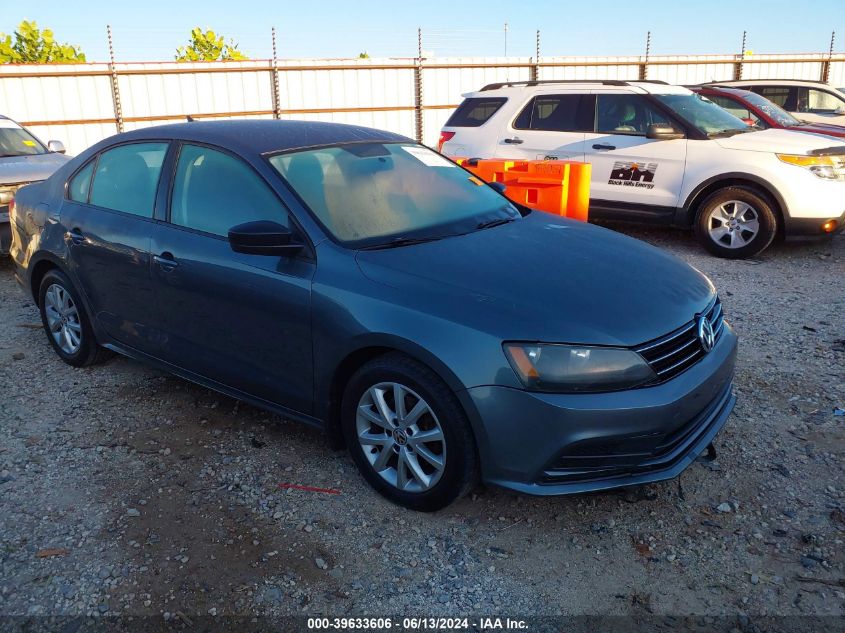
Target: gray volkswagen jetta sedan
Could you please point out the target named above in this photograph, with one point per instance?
(355, 280)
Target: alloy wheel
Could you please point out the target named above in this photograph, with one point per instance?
(63, 319)
(401, 437)
(733, 224)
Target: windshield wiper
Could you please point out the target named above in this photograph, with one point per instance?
(729, 132)
(397, 242)
(491, 223)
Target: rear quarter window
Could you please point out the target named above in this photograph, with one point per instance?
(475, 111)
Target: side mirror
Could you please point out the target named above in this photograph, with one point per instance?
(663, 132)
(263, 238)
(498, 186)
(57, 147)
(748, 120)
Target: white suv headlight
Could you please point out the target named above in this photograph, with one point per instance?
(828, 167)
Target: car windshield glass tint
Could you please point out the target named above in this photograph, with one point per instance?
(705, 115)
(369, 194)
(776, 112)
(16, 141)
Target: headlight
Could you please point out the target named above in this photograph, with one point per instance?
(828, 167)
(577, 368)
(6, 195)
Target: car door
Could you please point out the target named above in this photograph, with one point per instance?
(549, 127)
(241, 320)
(632, 176)
(108, 218)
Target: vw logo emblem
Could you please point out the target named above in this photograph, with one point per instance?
(705, 333)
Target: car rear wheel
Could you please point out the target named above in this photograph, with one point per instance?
(66, 323)
(735, 223)
(408, 434)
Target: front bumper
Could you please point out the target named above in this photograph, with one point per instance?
(555, 444)
(812, 227)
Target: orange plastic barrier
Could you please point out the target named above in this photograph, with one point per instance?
(561, 187)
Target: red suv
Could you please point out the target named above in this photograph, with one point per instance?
(757, 110)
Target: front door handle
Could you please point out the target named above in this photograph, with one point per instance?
(75, 236)
(603, 146)
(513, 141)
(165, 261)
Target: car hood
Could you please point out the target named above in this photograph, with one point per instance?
(545, 278)
(776, 140)
(21, 169)
(821, 128)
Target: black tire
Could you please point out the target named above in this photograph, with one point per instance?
(89, 351)
(761, 207)
(459, 473)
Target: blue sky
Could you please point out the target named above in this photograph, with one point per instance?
(152, 29)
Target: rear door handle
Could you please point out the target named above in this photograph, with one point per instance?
(513, 141)
(603, 146)
(76, 236)
(165, 261)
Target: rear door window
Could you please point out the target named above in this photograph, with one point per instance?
(783, 96)
(819, 101)
(475, 111)
(557, 113)
(126, 178)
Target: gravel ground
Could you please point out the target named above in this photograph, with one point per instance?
(126, 491)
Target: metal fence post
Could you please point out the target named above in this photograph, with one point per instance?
(418, 90)
(115, 88)
(825, 74)
(535, 69)
(738, 65)
(644, 65)
(274, 70)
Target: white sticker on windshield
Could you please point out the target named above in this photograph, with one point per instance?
(427, 157)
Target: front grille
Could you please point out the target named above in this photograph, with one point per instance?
(676, 352)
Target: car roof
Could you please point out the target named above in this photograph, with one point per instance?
(772, 82)
(636, 86)
(263, 135)
(739, 92)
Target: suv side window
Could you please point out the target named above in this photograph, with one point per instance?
(626, 114)
(127, 176)
(818, 101)
(475, 111)
(779, 95)
(557, 113)
(214, 191)
(77, 188)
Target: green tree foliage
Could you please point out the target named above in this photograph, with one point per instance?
(208, 47)
(33, 46)
(364, 55)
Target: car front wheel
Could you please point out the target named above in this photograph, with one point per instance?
(408, 434)
(735, 223)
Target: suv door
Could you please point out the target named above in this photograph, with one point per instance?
(549, 127)
(108, 218)
(238, 319)
(633, 176)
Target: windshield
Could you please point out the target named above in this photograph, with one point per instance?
(16, 141)
(775, 111)
(705, 115)
(371, 194)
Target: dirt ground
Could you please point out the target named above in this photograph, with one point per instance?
(124, 491)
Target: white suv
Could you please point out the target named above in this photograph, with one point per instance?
(663, 154)
(811, 101)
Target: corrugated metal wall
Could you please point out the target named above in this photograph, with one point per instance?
(75, 103)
